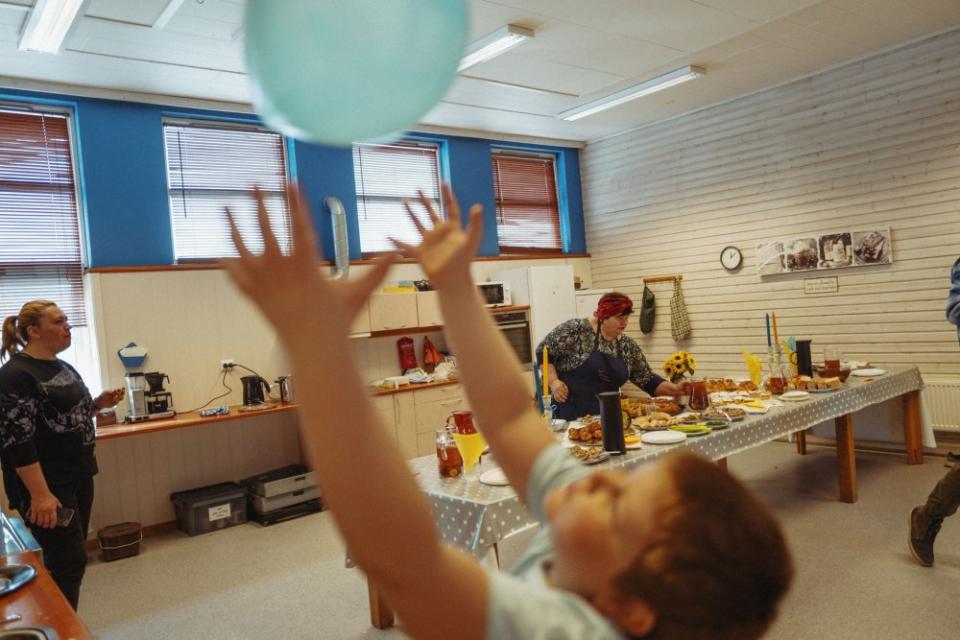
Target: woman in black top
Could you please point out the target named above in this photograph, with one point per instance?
(47, 438)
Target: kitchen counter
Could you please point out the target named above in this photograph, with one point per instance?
(39, 603)
(414, 387)
(191, 419)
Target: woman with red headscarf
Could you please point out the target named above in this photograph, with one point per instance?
(591, 355)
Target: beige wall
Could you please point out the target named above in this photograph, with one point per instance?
(190, 320)
(870, 144)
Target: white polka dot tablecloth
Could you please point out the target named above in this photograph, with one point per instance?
(475, 516)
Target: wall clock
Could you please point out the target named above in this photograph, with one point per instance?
(731, 258)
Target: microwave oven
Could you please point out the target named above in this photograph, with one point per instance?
(495, 294)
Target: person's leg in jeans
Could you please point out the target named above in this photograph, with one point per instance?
(64, 548)
(925, 521)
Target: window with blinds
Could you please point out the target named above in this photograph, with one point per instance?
(385, 174)
(210, 167)
(525, 192)
(40, 256)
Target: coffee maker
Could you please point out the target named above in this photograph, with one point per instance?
(136, 397)
(146, 397)
(159, 401)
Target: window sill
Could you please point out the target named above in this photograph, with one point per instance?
(199, 266)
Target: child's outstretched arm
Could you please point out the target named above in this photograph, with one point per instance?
(495, 383)
(379, 508)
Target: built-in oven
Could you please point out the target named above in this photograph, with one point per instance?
(515, 327)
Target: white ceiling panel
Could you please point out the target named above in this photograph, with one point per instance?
(581, 50)
(759, 10)
(946, 10)
(522, 69)
(142, 12)
(680, 24)
(589, 48)
(898, 15)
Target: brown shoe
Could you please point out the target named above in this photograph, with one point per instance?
(923, 531)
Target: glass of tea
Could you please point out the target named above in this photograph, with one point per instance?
(449, 461)
(699, 399)
(776, 382)
(831, 357)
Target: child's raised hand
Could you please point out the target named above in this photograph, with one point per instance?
(447, 249)
(289, 289)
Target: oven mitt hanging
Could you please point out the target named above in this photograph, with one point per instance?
(679, 320)
(648, 308)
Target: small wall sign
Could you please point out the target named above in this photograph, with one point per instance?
(820, 285)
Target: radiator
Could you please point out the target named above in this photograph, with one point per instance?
(943, 403)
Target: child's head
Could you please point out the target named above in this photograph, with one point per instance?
(681, 537)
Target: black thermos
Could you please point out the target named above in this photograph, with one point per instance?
(611, 421)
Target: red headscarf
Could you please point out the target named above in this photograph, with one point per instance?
(613, 304)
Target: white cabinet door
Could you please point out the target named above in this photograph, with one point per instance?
(407, 426)
(392, 311)
(428, 309)
(361, 325)
(383, 405)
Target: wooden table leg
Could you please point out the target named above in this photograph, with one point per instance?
(801, 442)
(381, 615)
(911, 427)
(722, 463)
(846, 460)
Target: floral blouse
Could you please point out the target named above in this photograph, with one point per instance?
(571, 343)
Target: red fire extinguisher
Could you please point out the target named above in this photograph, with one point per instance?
(408, 356)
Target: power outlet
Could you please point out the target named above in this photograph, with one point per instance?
(226, 363)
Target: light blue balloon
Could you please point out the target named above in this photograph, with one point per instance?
(342, 71)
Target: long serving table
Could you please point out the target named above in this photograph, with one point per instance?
(475, 517)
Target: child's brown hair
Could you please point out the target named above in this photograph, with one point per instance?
(717, 564)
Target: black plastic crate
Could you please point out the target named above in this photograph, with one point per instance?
(210, 508)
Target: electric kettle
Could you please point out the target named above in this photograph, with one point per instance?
(255, 389)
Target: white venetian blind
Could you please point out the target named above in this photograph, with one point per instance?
(385, 174)
(212, 167)
(528, 214)
(40, 254)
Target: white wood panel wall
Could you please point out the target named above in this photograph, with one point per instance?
(138, 473)
(871, 144)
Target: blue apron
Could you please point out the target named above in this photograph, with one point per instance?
(584, 382)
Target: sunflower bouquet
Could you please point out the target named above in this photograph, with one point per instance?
(678, 365)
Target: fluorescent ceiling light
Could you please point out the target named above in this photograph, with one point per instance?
(48, 24)
(492, 45)
(633, 92)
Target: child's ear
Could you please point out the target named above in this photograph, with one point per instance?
(633, 615)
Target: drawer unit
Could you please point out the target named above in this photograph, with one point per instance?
(438, 394)
(433, 416)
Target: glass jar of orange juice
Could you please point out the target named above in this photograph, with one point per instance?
(449, 460)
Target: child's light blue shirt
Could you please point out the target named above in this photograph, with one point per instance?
(521, 604)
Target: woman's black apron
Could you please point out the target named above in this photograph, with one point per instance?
(585, 382)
